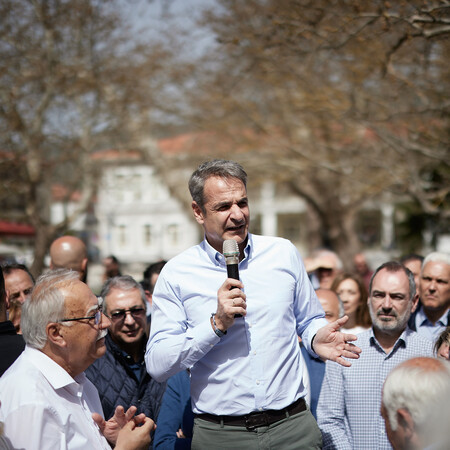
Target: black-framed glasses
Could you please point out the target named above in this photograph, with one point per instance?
(119, 314)
(97, 316)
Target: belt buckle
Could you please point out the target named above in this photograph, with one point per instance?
(256, 420)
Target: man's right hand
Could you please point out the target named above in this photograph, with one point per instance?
(230, 301)
(133, 437)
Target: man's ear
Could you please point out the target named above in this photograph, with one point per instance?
(405, 421)
(54, 335)
(415, 301)
(198, 213)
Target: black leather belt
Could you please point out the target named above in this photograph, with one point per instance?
(257, 418)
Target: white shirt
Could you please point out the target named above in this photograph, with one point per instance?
(354, 330)
(257, 365)
(43, 407)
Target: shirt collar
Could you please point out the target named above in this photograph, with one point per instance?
(217, 258)
(53, 372)
(422, 319)
(400, 342)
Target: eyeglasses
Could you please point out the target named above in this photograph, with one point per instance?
(119, 314)
(97, 316)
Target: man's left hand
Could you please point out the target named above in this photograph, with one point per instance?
(330, 343)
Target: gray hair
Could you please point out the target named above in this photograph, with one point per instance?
(436, 257)
(395, 266)
(416, 385)
(124, 283)
(216, 168)
(45, 305)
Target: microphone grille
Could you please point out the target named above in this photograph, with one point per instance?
(230, 246)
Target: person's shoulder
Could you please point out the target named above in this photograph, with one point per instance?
(182, 258)
(417, 339)
(267, 242)
(362, 339)
(23, 382)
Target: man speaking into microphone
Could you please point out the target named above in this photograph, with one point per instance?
(246, 371)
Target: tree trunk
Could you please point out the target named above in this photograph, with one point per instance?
(44, 236)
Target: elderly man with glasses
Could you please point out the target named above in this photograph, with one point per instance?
(120, 375)
(46, 401)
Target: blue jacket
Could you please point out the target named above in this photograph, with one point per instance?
(117, 383)
(316, 372)
(175, 413)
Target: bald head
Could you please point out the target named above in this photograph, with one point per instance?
(331, 304)
(69, 252)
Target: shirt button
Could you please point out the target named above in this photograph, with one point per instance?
(257, 381)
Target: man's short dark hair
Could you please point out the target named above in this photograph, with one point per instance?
(411, 257)
(10, 267)
(396, 266)
(216, 168)
(153, 268)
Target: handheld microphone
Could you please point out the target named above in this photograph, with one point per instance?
(231, 253)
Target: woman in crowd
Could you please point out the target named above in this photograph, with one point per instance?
(442, 345)
(351, 290)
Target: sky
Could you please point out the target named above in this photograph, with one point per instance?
(154, 16)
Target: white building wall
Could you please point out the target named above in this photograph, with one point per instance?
(138, 219)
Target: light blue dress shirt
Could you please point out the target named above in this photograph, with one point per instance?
(429, 329)
(257, 364)
(348, 412)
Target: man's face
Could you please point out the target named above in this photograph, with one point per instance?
(127, 328)
(85, 340)
(326, 277)
(360, 264)
(19, 285)
(226, 214)
(330, 305)
(389, 303)
(434, 286)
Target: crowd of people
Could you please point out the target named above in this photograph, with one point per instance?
(290, 354)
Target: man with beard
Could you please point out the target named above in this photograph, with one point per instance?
(348, 413)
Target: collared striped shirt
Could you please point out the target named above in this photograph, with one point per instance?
(348, 412)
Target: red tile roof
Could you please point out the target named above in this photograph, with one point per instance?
(16, 229)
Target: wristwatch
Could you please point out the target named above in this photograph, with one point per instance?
(218, 332)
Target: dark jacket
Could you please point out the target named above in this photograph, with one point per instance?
(11, 345)
(175, 413)
(117, 383)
